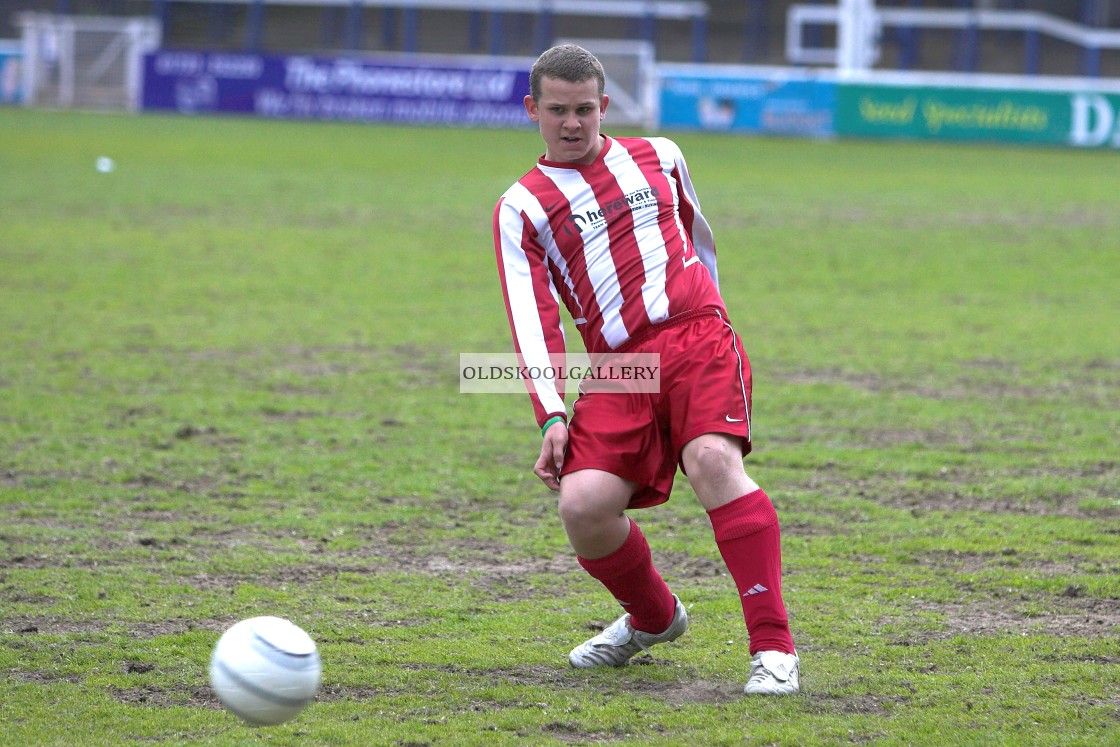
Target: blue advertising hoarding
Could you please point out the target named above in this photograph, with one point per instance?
(11, 73)
(746, 101)
(337, 88)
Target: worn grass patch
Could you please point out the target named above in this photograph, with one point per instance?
(229, 388)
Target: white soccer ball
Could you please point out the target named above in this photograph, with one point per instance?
(265, 669)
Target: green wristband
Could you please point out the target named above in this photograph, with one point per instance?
(550, 422)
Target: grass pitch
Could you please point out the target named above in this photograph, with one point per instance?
(229, 387)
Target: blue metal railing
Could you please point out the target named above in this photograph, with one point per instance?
(968, 21)
(400, 25)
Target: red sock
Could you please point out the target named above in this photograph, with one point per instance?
(629, 575)
(749, 540)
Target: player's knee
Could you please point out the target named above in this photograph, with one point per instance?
(713, 459)
(578, 511)
(714, 466)
(590, 498)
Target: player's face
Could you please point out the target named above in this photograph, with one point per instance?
(569, 115)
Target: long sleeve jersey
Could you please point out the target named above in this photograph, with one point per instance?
(621, 243)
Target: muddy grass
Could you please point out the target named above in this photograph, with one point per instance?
(1071, 614)
(1092, 383)
(1064, 618)
(689, 690)
(506, 578)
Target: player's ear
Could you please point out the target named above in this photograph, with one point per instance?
(603, 105)
(531, 109)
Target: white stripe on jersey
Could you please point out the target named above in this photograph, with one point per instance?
(597, 253)
(702, 239)
(523, 305)
(536, 274)
(677, 198)
(533, 208)
(647, 231)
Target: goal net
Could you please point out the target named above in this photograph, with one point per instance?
(631, 74)
(87, 62)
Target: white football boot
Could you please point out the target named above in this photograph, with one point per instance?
(615, 645)
(774, 673)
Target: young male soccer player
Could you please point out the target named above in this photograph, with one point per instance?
(611, 228)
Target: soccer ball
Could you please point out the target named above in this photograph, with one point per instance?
(265, 669)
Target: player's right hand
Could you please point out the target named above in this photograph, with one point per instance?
(551, 460)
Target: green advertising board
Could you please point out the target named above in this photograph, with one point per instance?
(1084, 119)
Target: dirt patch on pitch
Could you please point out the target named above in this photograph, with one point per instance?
(1061, 617)
(868, 705)
(197, 696)
(1065, 616)
(1094, 383)
(143, 630)
(691, 692)
(686, 690)
(953, 490)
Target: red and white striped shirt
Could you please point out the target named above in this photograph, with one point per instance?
(620, 242)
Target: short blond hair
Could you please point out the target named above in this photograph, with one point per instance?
(567, 62)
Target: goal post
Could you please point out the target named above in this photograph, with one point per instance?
(90, 62)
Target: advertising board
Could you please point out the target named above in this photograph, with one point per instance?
(747, 101)
(11, 73)
(1080, 118)
(337, 88)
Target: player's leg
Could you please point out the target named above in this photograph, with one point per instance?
(613, 550)
(747, 533)
(591, 506)
(749, 539)
(713, 463)
(711, 426)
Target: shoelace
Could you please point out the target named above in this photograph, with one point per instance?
(613, 634)
(636, 639)
(759, 671)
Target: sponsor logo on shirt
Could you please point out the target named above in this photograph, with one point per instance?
(641, 199)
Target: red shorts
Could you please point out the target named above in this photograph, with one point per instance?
(705, 388)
